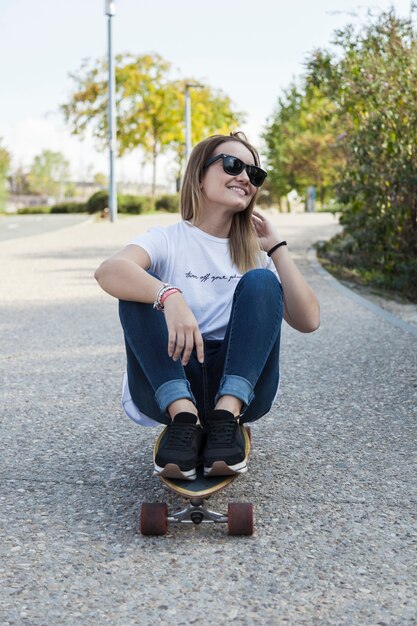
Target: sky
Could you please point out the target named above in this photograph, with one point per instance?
(250, 49)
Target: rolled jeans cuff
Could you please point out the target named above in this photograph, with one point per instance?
(173, 390)
(238, 387)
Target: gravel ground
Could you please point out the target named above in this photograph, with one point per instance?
(332, 472)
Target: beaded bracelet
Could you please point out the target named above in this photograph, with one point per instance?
(159, 300)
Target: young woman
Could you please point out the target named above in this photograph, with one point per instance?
(201, 306)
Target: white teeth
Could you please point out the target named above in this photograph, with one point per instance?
(239, 190)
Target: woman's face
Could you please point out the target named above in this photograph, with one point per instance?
(233, 193)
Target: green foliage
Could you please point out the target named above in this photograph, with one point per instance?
(48, 173)
(98, 202)
(169, 203)
(212, 113)
(302, 147)
(69, 207)
(150, 106)
(4, 169)
(372, 79)
(33, 210)
(101, 180)
(125, 203)
(19, 183)
(266, 196)
(134, 204)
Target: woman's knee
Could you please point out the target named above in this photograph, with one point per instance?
(260, 279)
(261, 285)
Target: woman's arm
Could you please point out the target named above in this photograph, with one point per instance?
(302, 309)
(124, 276)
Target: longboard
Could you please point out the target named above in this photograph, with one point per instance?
(154, 515)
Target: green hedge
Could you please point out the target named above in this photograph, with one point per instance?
(168, 202)
(127, 204)
(64, 207)
(69, 207)
(33, 210)
(133, 205)
(97, 202)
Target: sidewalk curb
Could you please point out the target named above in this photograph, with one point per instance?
(374, 308)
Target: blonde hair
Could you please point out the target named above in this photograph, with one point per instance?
(243, 241)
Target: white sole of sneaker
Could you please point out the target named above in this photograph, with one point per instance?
(220, 468)
(171, 470)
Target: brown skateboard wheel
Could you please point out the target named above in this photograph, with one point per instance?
(240, 518)
(153, 518)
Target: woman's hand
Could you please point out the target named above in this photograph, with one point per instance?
(183, 330)
(267, 233)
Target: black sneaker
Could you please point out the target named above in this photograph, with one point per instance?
(225, 451)
(178, 449)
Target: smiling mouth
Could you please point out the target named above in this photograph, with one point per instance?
(240, 191)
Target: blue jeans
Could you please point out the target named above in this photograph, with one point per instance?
(245, 364)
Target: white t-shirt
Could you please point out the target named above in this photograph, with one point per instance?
(201, 266)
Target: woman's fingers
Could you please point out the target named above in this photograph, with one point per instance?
(183, 331)
(199, 346)
(181, 344)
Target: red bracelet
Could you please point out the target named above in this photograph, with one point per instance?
(167, 293)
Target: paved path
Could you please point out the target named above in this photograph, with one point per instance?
(16, 226)
(332, 473)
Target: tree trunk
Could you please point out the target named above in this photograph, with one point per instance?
(154, 156)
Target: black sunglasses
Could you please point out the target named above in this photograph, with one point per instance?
(234, 166)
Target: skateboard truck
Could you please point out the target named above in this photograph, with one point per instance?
(196, 512)
(154, 517)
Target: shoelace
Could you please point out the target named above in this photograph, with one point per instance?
(180, 435)
(222, 433)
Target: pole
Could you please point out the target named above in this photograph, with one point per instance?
(188, 143)
(110, 12)
(187, 122)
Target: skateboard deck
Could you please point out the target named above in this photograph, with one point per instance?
(201, 487)
(154, 516)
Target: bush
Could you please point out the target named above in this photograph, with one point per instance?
(69, 207)
(168, 202)
(97, 202)
(346, 258)
(133, 205)
(33, 210)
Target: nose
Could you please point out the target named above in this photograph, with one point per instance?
(243, 176)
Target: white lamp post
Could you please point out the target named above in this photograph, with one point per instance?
(110, 11)
(188, 145)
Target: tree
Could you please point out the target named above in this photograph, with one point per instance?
(212, 113)
(19, 183)
(100, 180)
(150, 106)
(48, 173)
(371, 77)
(301, 140)
(4, 168)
